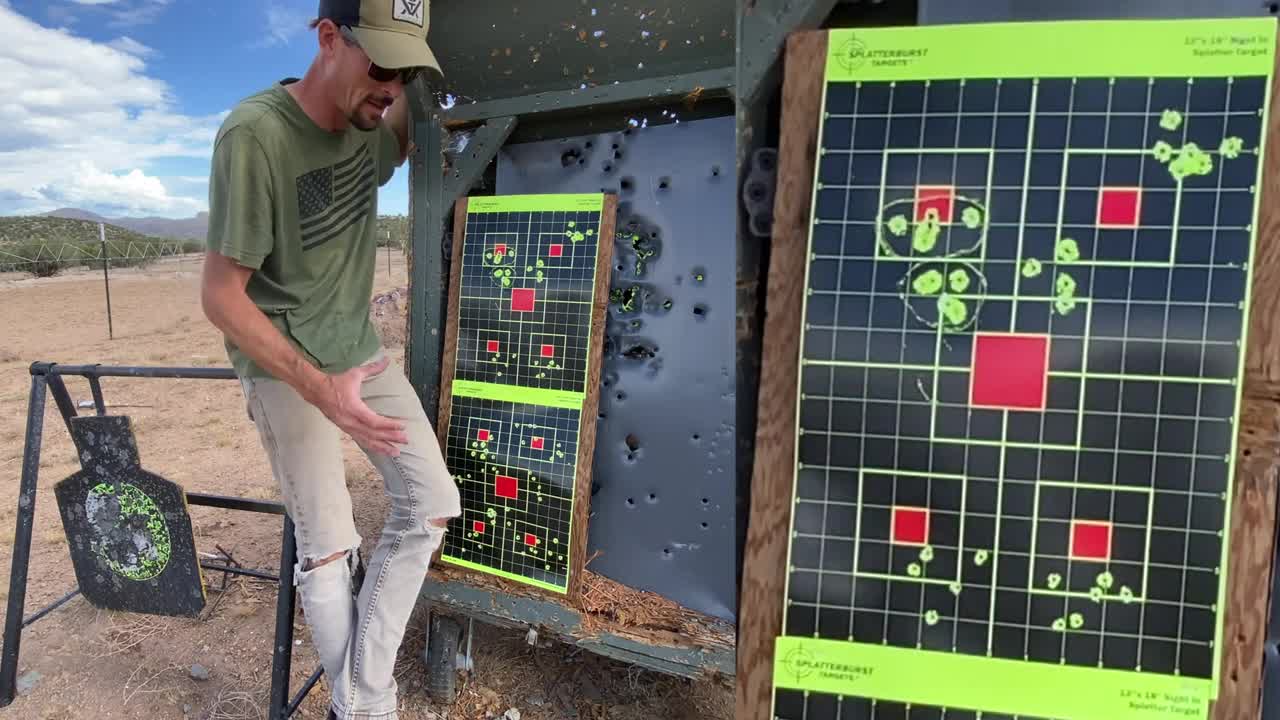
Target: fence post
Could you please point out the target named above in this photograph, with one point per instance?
(106, 278)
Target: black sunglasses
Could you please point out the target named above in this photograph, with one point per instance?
(376, 71)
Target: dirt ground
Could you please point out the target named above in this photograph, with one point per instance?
(81, 662)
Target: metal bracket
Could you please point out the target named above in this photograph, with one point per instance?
(430, 207)
(481, 149)
(763, 26)
(711, 82)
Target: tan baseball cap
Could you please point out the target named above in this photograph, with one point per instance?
(392, 32)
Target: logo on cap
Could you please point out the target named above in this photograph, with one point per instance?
(407, 10)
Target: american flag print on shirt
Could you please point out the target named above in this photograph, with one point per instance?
(332, 199)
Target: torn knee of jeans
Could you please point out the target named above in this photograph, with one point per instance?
(309, 565)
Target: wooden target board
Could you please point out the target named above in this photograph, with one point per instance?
(1011, 372)
(523, 347)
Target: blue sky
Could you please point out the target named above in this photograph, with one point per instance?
(112, 105)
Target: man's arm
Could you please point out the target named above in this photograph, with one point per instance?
(228, 307)
(397, 118)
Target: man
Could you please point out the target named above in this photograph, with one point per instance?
(288, 279)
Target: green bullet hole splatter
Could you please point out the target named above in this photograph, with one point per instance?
(971, 217)
(1095, 594)
(928, 282)
(914, 570)
(925, 237)
(926, 554)
(1067, 250)
(1170, 119)
(959, 280)
(953, 310)
(1162, 151)
(1191, 160)
(1126, 595)
(954, 588)
(980, 557)
(1031, 268)
(1105, 580)
(1231, 147)
(1060, 625)
(931, 617)
(1076, 621)
(898, 225)
(1054, 581)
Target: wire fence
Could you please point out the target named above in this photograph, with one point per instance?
(46, 258)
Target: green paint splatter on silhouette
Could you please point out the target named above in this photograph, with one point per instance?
(1031, 268)
(1231, 147)
(954, 588)
(1170, 119)
(1126, 595)
(1060, 625)
(971, 217)
(1095, 594)
(1162, 151)
(1064, 305)
(928, 282)
(959, 280)
(1054, 581)
(139, 556)
(1105, 580)
(1076, 620)
(980, 557)
(914, 570)
(926, 554)
(931, 617)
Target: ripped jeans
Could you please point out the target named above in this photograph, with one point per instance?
(357, 638)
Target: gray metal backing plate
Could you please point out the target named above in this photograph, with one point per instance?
(663, 503)
(491, 50)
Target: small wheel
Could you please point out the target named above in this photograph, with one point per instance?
(442, 658)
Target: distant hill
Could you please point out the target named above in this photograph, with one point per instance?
(192, 228)
(28, 229)
(197, 228)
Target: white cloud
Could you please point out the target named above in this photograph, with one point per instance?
(80, 122)
(285, 20)
(121, 13)
(130, 46)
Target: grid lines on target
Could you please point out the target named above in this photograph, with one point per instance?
(1022, 341)
(522, 337)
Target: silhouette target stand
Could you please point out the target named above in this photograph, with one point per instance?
(128, 530)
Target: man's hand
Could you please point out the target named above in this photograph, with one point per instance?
(229, 308)
(338, 397)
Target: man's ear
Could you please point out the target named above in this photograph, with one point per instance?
(327, 36)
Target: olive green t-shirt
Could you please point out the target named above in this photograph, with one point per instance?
(299, 205)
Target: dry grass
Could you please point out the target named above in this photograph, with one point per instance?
(126, 632)
(234, 702)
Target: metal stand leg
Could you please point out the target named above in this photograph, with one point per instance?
(22, 542)
(282, 657)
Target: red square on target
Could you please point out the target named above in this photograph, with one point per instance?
(536, 443)
(505, 486)
(1119, 207)
(482, 435)
(1090, 540)
(492, 346)
(477, 526)
(556, 250)
(499, 249)
(1010, 371)
(940, 198)
(523, 299)
(548, 351)
(530, 539)
(910, 526)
